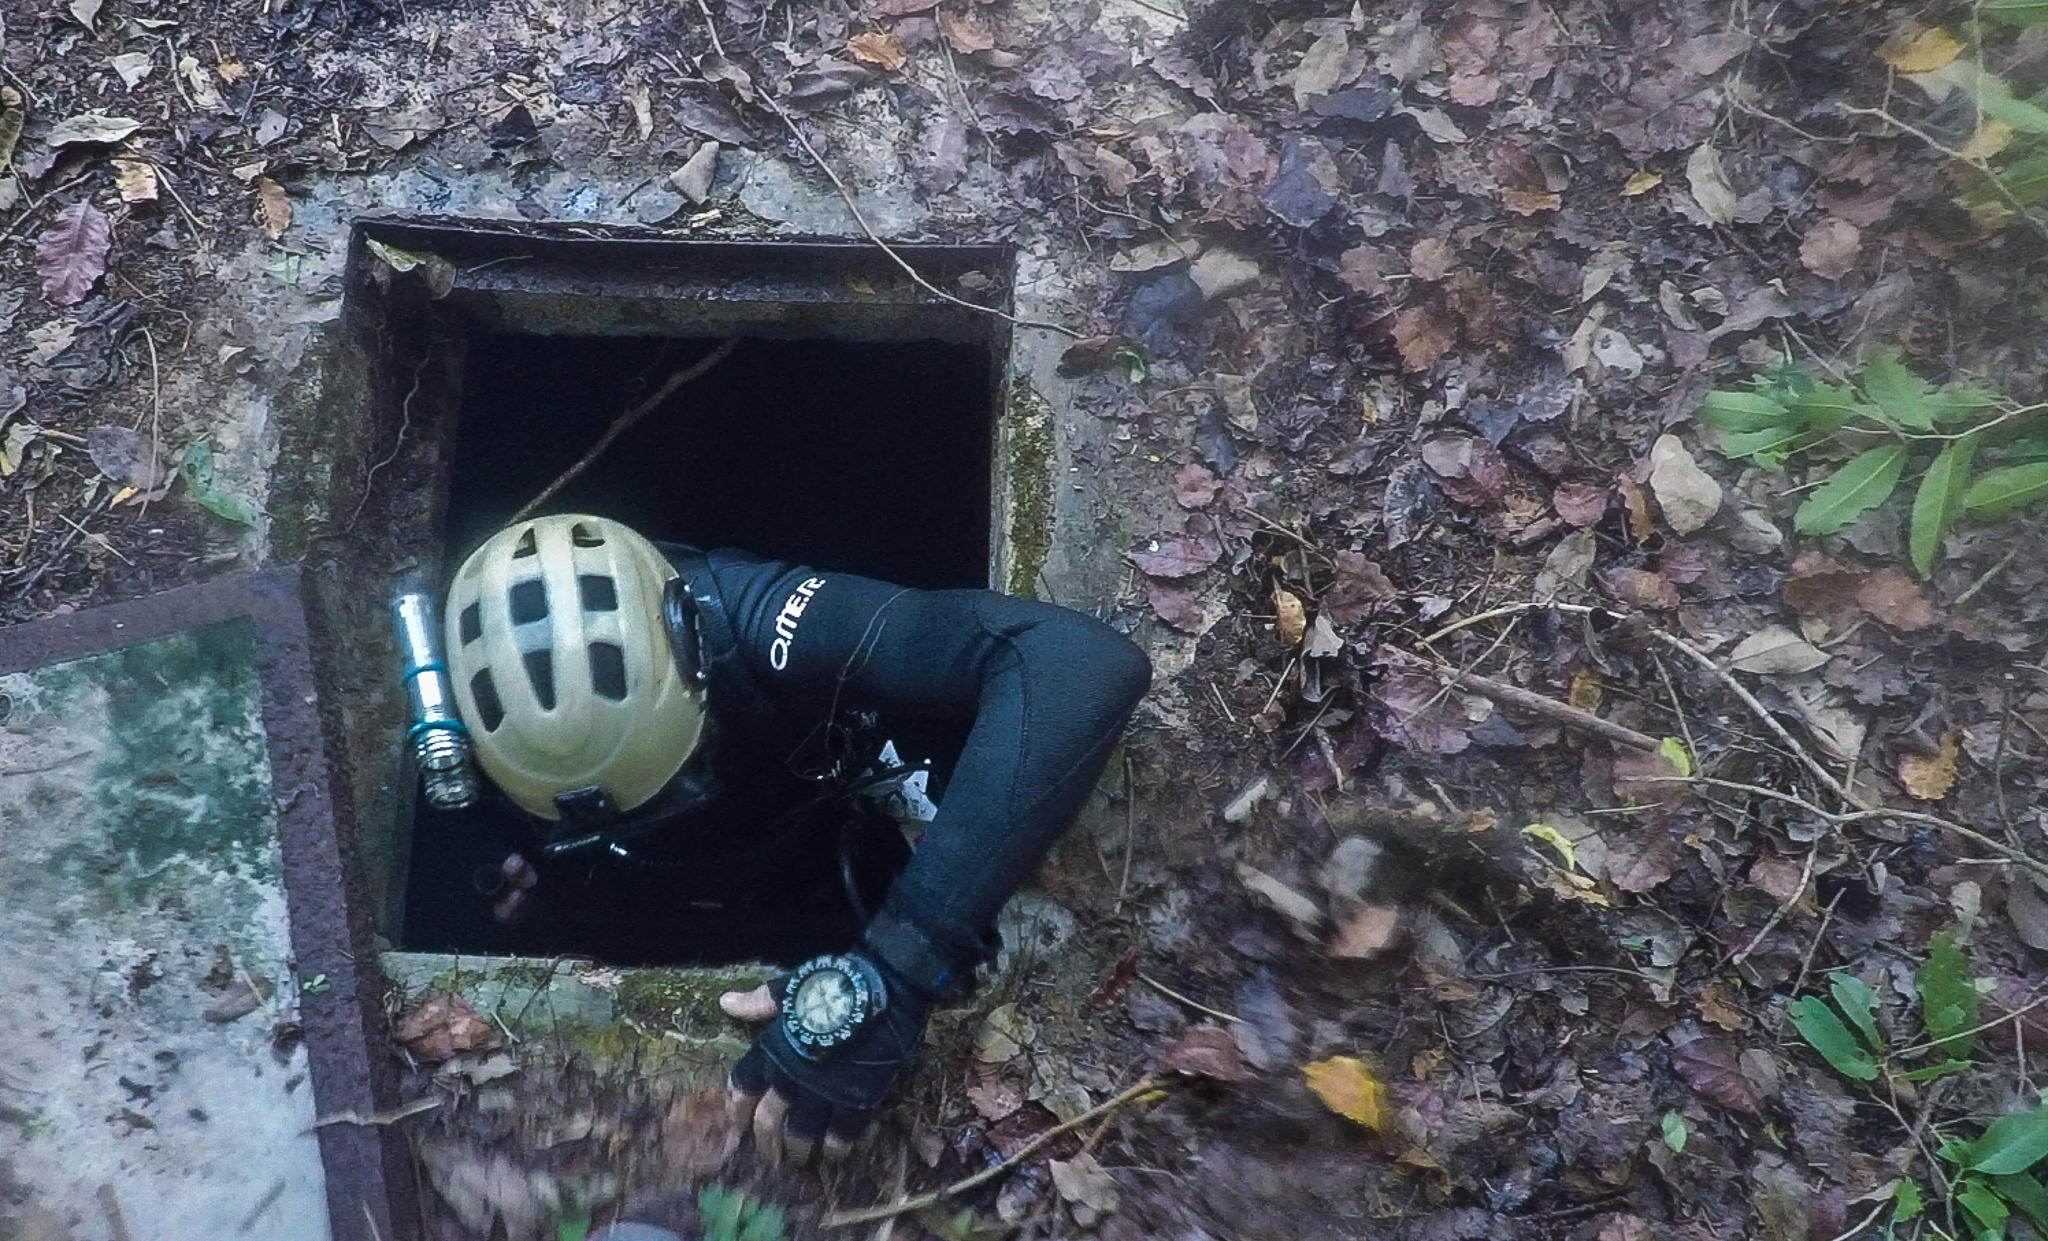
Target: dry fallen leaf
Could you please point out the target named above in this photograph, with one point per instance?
(1687, 494)
(1291, 617)
(1423, 333)
(878, 48)
(1829, 248)
(1367, 932)
(1348, 1087)
(1920, 51)
(1929, 777)
(1776, 650)
(1717, 1005)
(71, 254)
(1082, 1182)
(135, 179)
(1206, 1051)
(442, 1026)
(1710, 187)
(1642, 182)
(966, 32)
(274, 207)
(91, 127)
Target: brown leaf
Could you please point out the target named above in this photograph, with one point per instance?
(1642, 859)
(967, 32)
(1895, 600)
(1194, 486)
(1469, 470)
(124, 456)
(1179, 555)
(701, 1132)
(903, 8)
(1781, 878)
(1637, 502)
(1184, 609)
(1717, 1005)
(1642, 588)
(244, 996)
(443, 1026)
(1367, 932)
(1291, 619)
(1118, 980)
(274, 207)
(1431, 259)
(1359, 269)
(880, 49)
(2027, 905)
(135, 179)
(1423, 333)
(1580, 504)
(1360, 587)
(1206, 1051)
(12, 117)
(71, 254)
(1713, 1069)
(1418, 714)
(992, 1095)
(1829, 248)
(1088, 354)
(1530, 202)
(1929, 777)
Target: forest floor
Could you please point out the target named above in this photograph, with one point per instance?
(1537, 736)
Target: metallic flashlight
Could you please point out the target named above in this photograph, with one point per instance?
(440, 744)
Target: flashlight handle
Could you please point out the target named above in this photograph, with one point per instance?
(440, 743)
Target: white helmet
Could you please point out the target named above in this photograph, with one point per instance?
(562, 667)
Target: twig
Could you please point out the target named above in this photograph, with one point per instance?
(404, 424)
(1983, 166)
(1778, 914)
(1171, 994)
(861, 219)
(156, 416)
(1515, 695)
(28, 212)
(1992, 1024)
(840, 1219)
(100, 539)
(626, 420)
(1986, 580)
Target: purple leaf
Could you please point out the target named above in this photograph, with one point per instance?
(72, 253)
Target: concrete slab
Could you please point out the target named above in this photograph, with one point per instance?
(183, 996)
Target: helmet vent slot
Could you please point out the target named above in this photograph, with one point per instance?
(529, 601)
(527, 545)
(488, 707)
(608, 669)
(540, 670)
(471, 623)
(600, 594)
(583, 536)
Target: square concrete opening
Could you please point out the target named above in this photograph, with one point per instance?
(853, 429)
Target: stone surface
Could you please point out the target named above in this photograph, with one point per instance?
(144, 879)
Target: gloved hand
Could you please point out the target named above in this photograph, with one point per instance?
(798, 1095)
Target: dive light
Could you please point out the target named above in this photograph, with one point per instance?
(440, 744)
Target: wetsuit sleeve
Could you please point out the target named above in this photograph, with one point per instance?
(1048, 691)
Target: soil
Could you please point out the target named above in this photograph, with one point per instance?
(1407, 313)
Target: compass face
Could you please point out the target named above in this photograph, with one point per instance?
(825, 1001)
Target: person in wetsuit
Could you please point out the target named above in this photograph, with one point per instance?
(707, 717)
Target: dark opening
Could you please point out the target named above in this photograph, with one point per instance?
(862, 457)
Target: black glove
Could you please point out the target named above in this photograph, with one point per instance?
(836, 1090)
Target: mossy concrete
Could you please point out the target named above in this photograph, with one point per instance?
(139, 852)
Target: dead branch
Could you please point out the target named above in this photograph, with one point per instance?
(625, 421)
(1527, 700)
(841, 1219)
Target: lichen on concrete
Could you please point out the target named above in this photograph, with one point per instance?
(1027, 438)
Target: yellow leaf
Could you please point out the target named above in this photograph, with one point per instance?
(1677, 755)
(884, 51)
(1920, 52)
(1642, 183)
(135, 179)
(274, 207)
(1991, 138)
(1556, 840)
(1292, 617)
(1347, 1087)
(1587, 690)
(1930, 777)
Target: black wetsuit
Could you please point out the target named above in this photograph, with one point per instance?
(806, 672)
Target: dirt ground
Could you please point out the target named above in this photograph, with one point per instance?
(1521, 753)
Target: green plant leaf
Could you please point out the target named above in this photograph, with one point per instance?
(720, 1209)
(1675, 1132)
(1900, 394)
(1768, 446)
(1825, 407)
(1940, 499)
(572, 1228)
(2016, 12)
(1862, 483)
(1998, 492)
(1742, 411)
(1826, 1034)
(1906, 1201)
(196, 467)
(2026, 1193)
(1996, 101)
(1677, 755)
(1859, 1004)
(2011, 1144)
(1927, 1073)
(1985, 1208)
(1948, 998)
(1956, 404)
(2026, 180)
